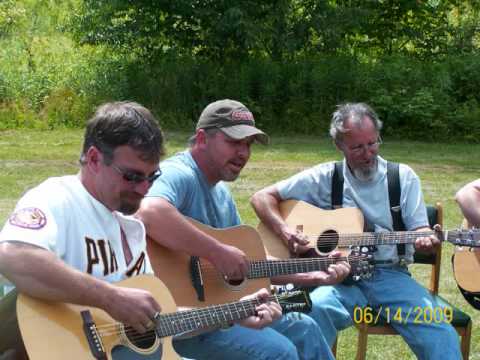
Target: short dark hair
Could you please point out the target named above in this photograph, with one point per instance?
(124, 123)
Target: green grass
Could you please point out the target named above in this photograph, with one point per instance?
(28, 157)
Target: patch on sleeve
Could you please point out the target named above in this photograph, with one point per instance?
(28, 218)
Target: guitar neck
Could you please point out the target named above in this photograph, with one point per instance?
(269, 268)
(190, 320)
(381, 238)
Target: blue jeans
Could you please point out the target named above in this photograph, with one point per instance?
(394, 290)
(294, 336)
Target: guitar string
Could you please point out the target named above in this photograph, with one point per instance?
(289, 266)
(201, 318)
(385, 235)
(195, 318)
(328, 236)
(343, 239)
(197, 315)
(103, 332)
(352, 258)
(204, 312)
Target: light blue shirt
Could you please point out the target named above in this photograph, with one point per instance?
(314, 186)
(183, 184)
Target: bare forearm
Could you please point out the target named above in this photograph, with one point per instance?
(266, 206)
(468, 199)
(37, 272)
(165, 225)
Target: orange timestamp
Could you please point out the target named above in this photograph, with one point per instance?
(415, 315)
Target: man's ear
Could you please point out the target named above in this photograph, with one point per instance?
(93, 159)
(201, 138)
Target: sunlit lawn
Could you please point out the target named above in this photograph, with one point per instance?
(28, 157)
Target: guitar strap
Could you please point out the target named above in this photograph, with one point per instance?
(393, 179)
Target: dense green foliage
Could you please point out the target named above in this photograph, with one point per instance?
(278, 29)
(416, 99)
(290, 61)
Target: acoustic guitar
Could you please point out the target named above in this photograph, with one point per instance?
(466, 263)
(195, 282)
(59, 331)
(342, 229)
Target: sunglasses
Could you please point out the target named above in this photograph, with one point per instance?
(135, 178)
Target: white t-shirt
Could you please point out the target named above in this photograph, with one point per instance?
(61, 216)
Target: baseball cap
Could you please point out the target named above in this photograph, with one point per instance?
(233, 119)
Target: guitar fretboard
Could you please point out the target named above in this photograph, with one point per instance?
(270, 268)
(456, 237)
(380, 238)
(189, 320)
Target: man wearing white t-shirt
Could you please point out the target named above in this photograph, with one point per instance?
(67, 239)
(70, 237)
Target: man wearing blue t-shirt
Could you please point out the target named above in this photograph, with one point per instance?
(355, 129)
(193, 185)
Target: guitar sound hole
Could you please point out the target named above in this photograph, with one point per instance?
(122, 352)
(327, 241)
(232, 282)
(142, 341)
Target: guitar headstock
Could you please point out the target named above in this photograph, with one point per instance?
(362, 264)
(464, 237)
(296, 300)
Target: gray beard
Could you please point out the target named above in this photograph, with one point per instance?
(366, 174)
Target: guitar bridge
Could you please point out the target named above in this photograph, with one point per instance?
(93, 338)
(196, 277)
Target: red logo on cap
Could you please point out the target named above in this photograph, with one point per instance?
(242, 115)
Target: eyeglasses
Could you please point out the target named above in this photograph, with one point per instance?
(373, 146)
(136, 178)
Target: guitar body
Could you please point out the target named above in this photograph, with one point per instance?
(55, 330)
(314, 222)
(174, 268)
(466, 263)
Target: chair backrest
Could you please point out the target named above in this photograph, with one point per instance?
(435, 216)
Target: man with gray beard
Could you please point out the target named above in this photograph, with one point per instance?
(355, 129)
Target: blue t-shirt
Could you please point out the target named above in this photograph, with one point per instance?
(314, 186)
(184, 186)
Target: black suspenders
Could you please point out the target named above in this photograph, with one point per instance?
(337, 185)
(393, 179)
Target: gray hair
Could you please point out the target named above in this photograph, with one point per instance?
(355, 112)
